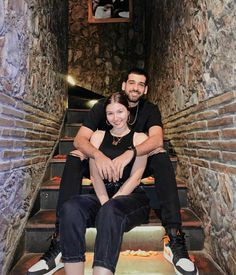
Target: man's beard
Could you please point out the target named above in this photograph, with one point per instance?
(136, 100)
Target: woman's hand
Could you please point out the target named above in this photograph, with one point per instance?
(121, 161)
(103, 201)
(105, 166)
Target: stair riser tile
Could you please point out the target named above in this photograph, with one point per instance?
(80, 104)
(48, 198)
(65, 147)
(75, 116)
(138, 238)
(56, 168)
(71, 131)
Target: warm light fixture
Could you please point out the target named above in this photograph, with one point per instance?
(70, 80)
(90, 103)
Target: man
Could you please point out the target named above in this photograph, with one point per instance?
(145, 117)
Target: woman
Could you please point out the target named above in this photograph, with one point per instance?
(115, 208)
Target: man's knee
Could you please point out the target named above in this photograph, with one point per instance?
(77, 153)
(160, 158)
(157, 151)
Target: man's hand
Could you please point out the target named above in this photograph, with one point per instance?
(121, 161)
(105, 166)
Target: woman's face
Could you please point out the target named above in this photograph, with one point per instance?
(117, 115)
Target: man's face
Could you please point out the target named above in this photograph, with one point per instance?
(135, 87)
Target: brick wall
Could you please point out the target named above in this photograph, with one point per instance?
(33, 61)
(192, 61)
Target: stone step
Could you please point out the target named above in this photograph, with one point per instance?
(154, 264)
(76, 115)
(71, 129)
(146, 237)
(49, 192)
(57, 165)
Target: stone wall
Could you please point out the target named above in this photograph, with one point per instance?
(99, 54)
(33, 59)
(192, 61)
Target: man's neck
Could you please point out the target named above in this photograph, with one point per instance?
(133, 104)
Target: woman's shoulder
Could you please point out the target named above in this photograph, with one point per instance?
(99, 132)
(97, 136)
(139, 138)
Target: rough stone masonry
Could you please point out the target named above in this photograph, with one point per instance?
(192, 63)
(33, 60)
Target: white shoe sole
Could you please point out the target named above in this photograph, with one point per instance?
(59, 266)
(169, 258)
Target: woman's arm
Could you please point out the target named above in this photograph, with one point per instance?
(96, 179)
(137, 170)
(98, 183)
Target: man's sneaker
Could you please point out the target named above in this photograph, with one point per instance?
(50, 262)
(175, 252)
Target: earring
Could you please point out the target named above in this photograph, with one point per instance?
(128, 120)
(107, 122)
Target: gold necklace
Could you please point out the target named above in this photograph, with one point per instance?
(135, 118)
(116, 140)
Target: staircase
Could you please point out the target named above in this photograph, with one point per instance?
(142, 246)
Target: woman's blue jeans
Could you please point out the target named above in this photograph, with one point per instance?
(111, 220)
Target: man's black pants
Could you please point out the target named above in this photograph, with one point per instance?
(158, 165)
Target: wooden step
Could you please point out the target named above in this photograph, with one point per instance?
(48, 194)
(147, 236)
(154, 264)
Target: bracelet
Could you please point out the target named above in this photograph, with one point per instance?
(132, 148)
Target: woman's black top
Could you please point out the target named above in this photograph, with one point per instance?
(113, 151)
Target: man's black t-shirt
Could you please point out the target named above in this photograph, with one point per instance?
(144, 116)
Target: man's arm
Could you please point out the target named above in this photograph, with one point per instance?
(135, 177)
(82, 142)
(154, 141)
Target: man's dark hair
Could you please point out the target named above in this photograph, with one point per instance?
(138, 71)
